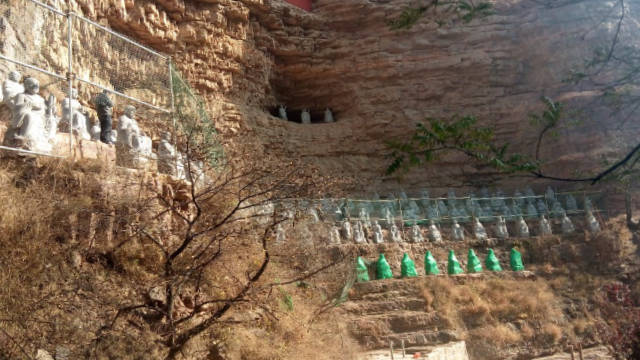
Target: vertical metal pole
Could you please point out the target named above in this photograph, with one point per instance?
(403, 350)
(70, 77)
(173, 119)
(391, 348)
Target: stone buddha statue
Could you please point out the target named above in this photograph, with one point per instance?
(457, 231)
(434, 232)
(545, 226)
(11, 87)
(28, 127)
(134, 147)
(168, 157)
(358, 236)
(567, 225)
(377, 233)
(478, 230)
(104, 107)
(78, 125)
(396, 235)
(594, 226)
(416, 234)
(305, 117)
(346, 230)
(334, 235)
(328, 116)
(282, 112)
(523, 228)
(501, 228)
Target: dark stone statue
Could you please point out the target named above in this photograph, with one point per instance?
(104, 107)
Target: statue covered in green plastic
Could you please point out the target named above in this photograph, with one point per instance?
(473, 263)
(430, 265)
(516, 260)
(492, 263)
(453, 266)
(407, 267)
(383, 270)
(362, 273)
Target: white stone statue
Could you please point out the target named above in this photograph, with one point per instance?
(133, 148)
(388, 217)
(523, 228)
(51, 120)
(416, 234)
(347, 232)
(305, 117)
(281, 236)
(95, 132)
(434, 233)
(377, 233)
(572, 204)
(545, 226)
(478, 230)
(567, 225)
(11, 87)
(328, 116)
(592, 222)
(282, 112)
(396, 235)
(334, 235)
(169, 161)
(359, 237)
(32, 122)
(457, 231)
(550, 195)
(313, 213)
(531, 210)
(501, 228)
(78, 124)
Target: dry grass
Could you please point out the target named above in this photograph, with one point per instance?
(46, 301)
(497, 314)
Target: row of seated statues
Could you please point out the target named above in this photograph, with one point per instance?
(371, 232)
(35, 123)
(305, 115)
(424, 208)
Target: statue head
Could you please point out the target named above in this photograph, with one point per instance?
(74, 93)
(166, 136)
(14, 76)
(31, 85)
(130, 111)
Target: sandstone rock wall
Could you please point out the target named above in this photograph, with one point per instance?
(246, 56)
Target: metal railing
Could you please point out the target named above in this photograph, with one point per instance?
(68, 70)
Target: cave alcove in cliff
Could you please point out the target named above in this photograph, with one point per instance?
(295, 115)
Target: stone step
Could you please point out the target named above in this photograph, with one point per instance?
(399, 321)
(406, 286)
(411, 339)
(382, 306)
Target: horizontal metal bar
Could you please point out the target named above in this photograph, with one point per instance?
(118, 35)
(30, 152)
(48, 7)
(32, 67)
(124, 95)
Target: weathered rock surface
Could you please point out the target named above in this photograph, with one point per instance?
(244, 57)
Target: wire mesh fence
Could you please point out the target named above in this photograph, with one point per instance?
(74, 60)
(407, 211)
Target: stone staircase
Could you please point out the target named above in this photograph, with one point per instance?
(390, 311)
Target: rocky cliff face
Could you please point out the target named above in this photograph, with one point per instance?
(245, 57)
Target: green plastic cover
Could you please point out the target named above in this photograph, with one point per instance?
(492, 263)
(473, 263)
(362, 273)
(383, 270)
(430, 264)
(407, 267)
(516, 260)
(453, 266)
